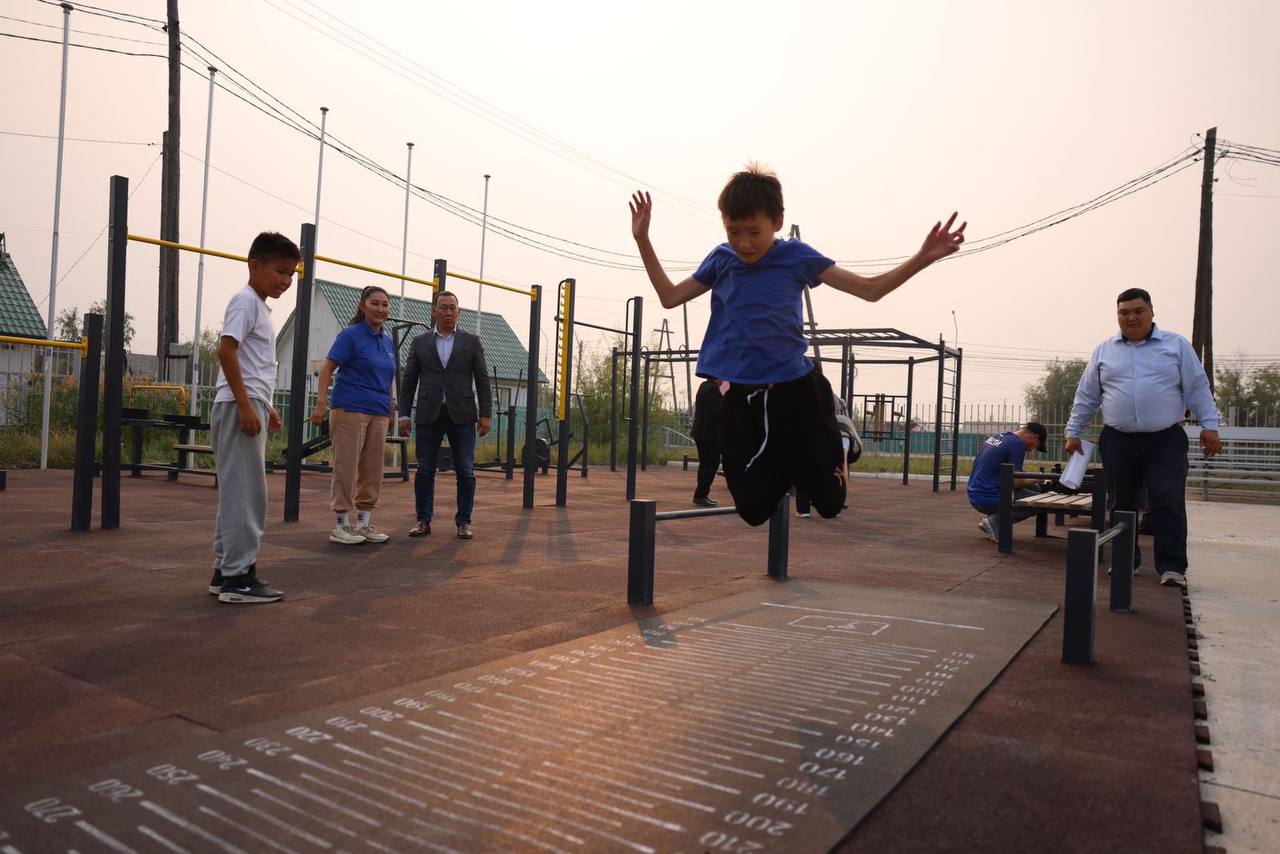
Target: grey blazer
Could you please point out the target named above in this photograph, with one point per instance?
(439, 386)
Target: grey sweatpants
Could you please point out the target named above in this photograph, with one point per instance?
(242, 488)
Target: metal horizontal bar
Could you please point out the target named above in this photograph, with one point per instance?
(452, 275)
(82, 345)
(431, 283)
(593, 326)
(690, 514)
(155, 241)
(1111, 534)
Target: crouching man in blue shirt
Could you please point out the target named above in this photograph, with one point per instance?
(984, 480)
(1144, 380)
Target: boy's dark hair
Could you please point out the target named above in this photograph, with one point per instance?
(1133, 293)
(273, 246)
(1042, 434)
(752, 191)
(364, 295)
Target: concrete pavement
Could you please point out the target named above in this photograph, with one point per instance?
(1234, 585)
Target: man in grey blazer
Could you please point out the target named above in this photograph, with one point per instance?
(442, 367)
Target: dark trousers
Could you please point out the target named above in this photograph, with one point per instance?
(708, 464)
(1157, 461)
(778, 436)
(462, 443)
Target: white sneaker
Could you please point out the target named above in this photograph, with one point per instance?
(372, 534)
(1173, 579)
(346, 535)
(988, 530)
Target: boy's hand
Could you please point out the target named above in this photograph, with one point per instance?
(274, 424)
(317, 414)
(942, 241)
(641, 208)
(250, 423)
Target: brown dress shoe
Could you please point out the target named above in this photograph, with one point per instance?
(421, 529)
(465, 532)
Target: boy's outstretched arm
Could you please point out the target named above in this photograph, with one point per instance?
(940, 243)
(669, 294)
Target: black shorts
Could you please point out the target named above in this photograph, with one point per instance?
(778, 436)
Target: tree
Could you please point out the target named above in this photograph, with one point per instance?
(1231, 389)
(1049, 400)
(208, 356)
(69, 328)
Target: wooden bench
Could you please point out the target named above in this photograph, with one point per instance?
(1093, 502)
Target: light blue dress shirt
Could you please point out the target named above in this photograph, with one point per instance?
(444, 346)
(1143, 386)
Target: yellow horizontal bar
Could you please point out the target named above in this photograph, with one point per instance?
(82, 345)
(154, 241)
(431, 283)
(514, 290)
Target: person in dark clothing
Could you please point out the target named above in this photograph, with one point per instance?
(706, 435)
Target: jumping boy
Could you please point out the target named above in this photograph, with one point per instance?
(241, 407)
(778, 427)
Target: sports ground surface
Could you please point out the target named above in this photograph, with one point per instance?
(111, 648)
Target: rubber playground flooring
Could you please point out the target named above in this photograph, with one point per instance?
(111, 648)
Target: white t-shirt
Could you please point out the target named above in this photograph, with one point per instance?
(248, 320)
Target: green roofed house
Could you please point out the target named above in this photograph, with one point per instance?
(333, 305)
(19, 318)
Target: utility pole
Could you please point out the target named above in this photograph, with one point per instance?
(1202, 322)
(167, 313)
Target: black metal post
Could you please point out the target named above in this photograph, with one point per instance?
(1077, 601)
(844, 376)
(906, 422)
(779, 539)
(937, 415)
(113, 377)
(530, 460)
(87, 427)
(1098, 514)
(637, 317)
(510, 465)
(640, 548)
(298, 380)
(1005, 524)
(955, 423)
(644, 419)
(613, 409)
(565, 383)
(1122, 561)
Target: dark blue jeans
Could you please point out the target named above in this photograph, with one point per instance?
(1158, 462)
(462, 442)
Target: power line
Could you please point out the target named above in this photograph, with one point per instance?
(485, 110)
(85, 46)
(76, 138)
(114, 14)
(80, 32)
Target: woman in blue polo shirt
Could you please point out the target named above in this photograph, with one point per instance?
(362, 355)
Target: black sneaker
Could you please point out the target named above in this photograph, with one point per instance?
(215, 583)
(704, 502)
(248, 589)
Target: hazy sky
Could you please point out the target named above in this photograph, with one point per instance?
(879, 118)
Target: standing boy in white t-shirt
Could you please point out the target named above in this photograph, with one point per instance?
(246, 353)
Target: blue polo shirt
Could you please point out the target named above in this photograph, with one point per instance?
(756, 332)
(366, 369)
(984, 480)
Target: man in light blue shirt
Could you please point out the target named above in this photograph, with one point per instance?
(1144, 380)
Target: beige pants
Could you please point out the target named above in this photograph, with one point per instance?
(358, 441)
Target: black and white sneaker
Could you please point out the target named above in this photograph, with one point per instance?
(215, 583)
(248, 589)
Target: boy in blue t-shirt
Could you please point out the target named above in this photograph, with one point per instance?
(778, 427)
(984, 480)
